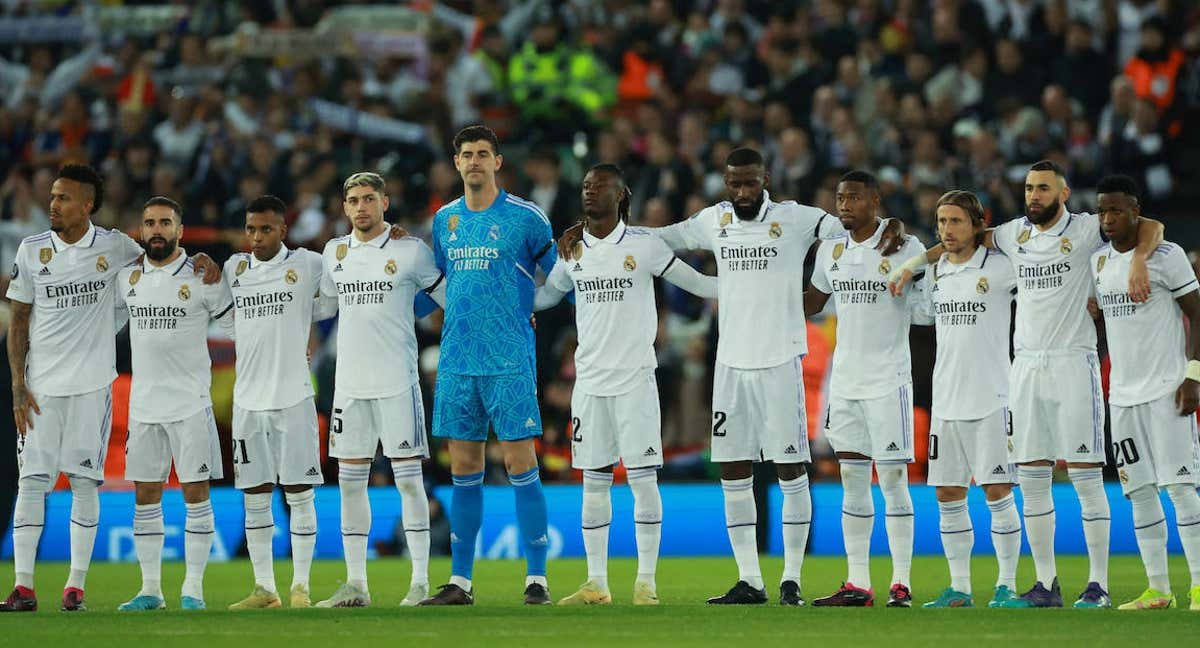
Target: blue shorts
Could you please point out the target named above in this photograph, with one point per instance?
(464, 405)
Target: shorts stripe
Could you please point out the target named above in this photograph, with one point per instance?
(105, 429)
(1097, 408)
(800, 414)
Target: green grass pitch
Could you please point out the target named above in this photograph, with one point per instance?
(498, 618)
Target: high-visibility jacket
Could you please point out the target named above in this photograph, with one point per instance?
(541, 83)
(1157, 80)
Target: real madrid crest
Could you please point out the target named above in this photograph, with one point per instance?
(290, 276)
(837, 251)
(101, 264)
(185, 293)
(577, 250)
(240, 268)
(982, 286)
(45, 254)
(885, 266)
(776, 230)
(1064, 246)
(630, 264)
(452, 224)
(342, 249)
(1100, 263)
(1023, 237)
(390, 266)
(726, 219)
(134, 277)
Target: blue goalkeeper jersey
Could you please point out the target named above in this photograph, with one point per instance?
(489, 258)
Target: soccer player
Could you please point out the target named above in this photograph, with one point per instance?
(614, 406)
(63, 359)
(170, 406)
(758, 391)
(870, 389)
(489, 243)
(1154, 440)
(377, 398)
(1054, 385)
(275, 437)
(969, 295)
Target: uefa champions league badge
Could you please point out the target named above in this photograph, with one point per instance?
(837, 251)
(342, 249)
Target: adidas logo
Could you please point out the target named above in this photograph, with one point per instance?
(529, 423)
(312, 472)
(453, 236)
(892, 447)
(203, 468)
(790, 450)
(998, 470)
(1183, 471)
(577, 268)
(722, 234)
(337, 268)
(834, 267)
(237, 282)
(1021, 250)
(404, 445)
(132, 293)
(45, 271)
(453, 537)
(540, 541)
(86, 463)
(650, 452)
(1082, 448)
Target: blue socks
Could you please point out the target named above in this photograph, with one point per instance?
(466, 516)
(531, 519)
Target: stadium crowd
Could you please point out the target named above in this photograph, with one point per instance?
(220, 103)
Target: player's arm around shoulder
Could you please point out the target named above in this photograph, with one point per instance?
(1187, 295)
(677, 271)
(558, 284)
(820, 289)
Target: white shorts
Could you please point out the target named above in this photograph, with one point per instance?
(1057, 408)
(358, 426)
(960, 450)
(758, 414)
(192, 443)
(276, 446)
(1153, 445)
(879, 428)
(70, 435)
(608, 429)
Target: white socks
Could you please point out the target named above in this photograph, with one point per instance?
(958, 536)
(29, 517)
(197, 544)
(414, 512)
(858, 517)
(1006, 539)
(893, 481)
(797, 517)
(1093, 504)
(148, 542)
(304, 534)
(1187, 519)
(1150, 528)
(595, 520)
(356, 520)
(647, 520)
(85, 517)
(260, 528)
(741, 522)
(1039, 519)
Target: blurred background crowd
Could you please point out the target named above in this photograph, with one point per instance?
(216, 103)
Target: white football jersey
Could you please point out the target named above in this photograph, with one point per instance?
(1053, 283)
(169, 311)
(871, 357)
(615, 311)
(760, 263)
(971, 305)
(71, 329)
(1145, 341)
(374, 283)
(273, 305)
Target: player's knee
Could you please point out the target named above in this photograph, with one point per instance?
(736, 469)
(33, 486)
(994, 492)
(952, 494)
(150, 493)
(261, 489)
(1186, 501)
(85, 501)
(519, 457)
(295, 489)
(788, 472)
(193, 492)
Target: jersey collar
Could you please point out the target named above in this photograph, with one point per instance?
(1064, 221)
(947, 267)
(379, 241)
(171, 268)
(614, 237)
(86, 241)
(766, 206)
(283, 254)
(869, 243)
